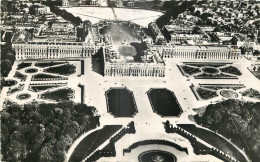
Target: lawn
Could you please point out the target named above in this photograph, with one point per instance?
(91, 142)
(31, 70)
(47, 64)
(127, 51)
(23, 65)
(66, 69)
(164, 102)
(20, 76)
(190, 70)
(23, 96)
(231, 70)
(206, 94)
(43, 76)
(214, 140)
(121, 102)
(9, 83)
(59, 95)
(38, 88)
(256, 74)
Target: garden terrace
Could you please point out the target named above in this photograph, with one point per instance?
(216, 76)
(164, 102)
(23, 96)
(47, 64)
(31, 70)
(214, 140)
(190, 70)
(231, 70)
(66, 69)
(59, 95)
(206, 94)
(20, 76)
(156, 155)
(41, 76)
(121, 102)
(23, 65)
(43, 87)
(9, 83)
(252, 93)
(92, 141)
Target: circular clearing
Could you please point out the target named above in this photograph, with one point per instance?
(23, 96)
(31, 70)
(228, 94)
(156, 156)
(210, 70)
(9, 83)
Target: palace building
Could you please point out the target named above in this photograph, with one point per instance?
(151, 65)
(200, 52)
(44, 50)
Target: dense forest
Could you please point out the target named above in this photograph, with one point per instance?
(43, 132)
(236, 120)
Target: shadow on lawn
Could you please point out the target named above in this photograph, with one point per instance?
(98, 62)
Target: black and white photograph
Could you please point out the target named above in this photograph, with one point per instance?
(130, 81)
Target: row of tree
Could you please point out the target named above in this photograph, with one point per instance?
(43, 132)
(237, 120)
(66, 15)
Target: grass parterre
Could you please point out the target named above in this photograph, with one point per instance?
(59, 95)
(66, 69)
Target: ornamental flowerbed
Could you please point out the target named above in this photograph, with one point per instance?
(20, 76)
(252, 93)
(190, 70)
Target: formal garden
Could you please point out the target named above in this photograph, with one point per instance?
(252, 93)
(121, 102)
(58, 95)
(209, 70)
(210, 91)
(164, 102)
